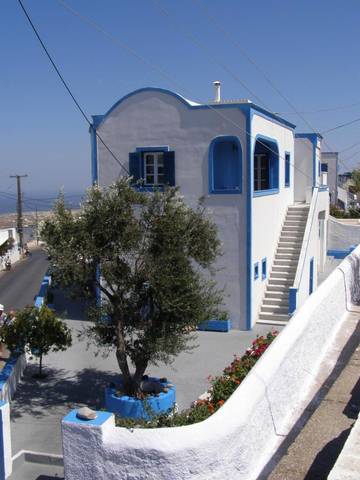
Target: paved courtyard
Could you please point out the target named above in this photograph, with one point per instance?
(77, 377)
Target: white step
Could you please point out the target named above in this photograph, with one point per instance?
(289, 250)
(270, 318)
(285, 275)
(285, 282)
(286, 262)
(274, 309)
(275, 288)
(284, 268)
(280, 295)
(278, 302)
(289, 243)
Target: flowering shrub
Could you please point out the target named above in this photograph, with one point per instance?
(220, 390)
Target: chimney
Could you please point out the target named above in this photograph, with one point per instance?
(217, 86)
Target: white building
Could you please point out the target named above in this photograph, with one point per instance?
(14, 254)
(247, 164)
(330, 165)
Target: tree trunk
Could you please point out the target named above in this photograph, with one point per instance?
(40, 365)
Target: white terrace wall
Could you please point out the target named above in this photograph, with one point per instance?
(240, 438)
(268, 211)
(155, 118)
(313, 249)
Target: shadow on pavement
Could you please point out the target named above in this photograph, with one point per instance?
(60, 391)
(326, 458)
(46, 477)
(352, 408)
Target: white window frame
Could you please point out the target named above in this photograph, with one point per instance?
(156, 174)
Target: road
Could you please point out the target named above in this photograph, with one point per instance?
(19, 286)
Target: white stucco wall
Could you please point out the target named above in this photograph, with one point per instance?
(153, 118)
(13, 254)
(331, 159)
(268, 211)
(313, 246)
(240, 438)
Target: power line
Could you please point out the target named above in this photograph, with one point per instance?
(342, 125)
(256, 65)
(67, 86)
(122, 45)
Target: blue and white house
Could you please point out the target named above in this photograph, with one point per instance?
(259, 180)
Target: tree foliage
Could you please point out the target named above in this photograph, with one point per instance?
(36, 331)
(355, 177)
(155, 255)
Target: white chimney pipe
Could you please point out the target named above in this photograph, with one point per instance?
(217, 86)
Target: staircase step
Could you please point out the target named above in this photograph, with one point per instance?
(286, 275)
(280, 295)
(289, 250)
(278, 302)
(285, 282)
(285, 243)
(284, 268)
(278, 288)
(288, 262)
(269, 318)
(274, 309)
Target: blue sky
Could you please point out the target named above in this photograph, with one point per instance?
(309, 50)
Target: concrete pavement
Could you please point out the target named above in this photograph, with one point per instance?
(19, 286)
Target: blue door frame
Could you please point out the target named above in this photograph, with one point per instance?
(311, 276)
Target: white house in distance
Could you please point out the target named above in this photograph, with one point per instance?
(243, 159)
(14, 254)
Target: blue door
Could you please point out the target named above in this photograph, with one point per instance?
(311, 276)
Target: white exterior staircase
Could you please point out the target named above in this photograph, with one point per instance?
(275, 306)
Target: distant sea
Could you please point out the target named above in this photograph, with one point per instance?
(41, 201)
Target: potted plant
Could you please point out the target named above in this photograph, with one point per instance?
(150, 257)
(221, 324)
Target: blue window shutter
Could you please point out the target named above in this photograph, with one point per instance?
(169, 168)
(135, 166)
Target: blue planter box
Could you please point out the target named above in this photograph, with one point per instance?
(130, 407)
(215, 326)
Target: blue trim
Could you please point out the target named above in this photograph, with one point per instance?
(215, 326)
(101, 418)
(263, 268)
(164, 148)
(340, 254)
(216, 140)
(313, 137)
(262, 193)
(250, 186)
(311, 276)
(100, 118)
(94, 163)
(256, 270)
(292, 299)
(287, 170)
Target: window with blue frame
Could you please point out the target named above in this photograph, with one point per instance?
(225, 165)
(263, 269)
(154, 168)
(287, 169)
(256, 271)
(266, 166)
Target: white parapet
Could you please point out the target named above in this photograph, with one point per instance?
(5, 441)
(241, 437)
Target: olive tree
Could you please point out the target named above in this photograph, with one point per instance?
(150, 257)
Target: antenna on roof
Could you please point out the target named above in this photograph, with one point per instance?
(217, 86)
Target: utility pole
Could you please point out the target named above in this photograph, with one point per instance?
(37, 226)
(19, 210)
